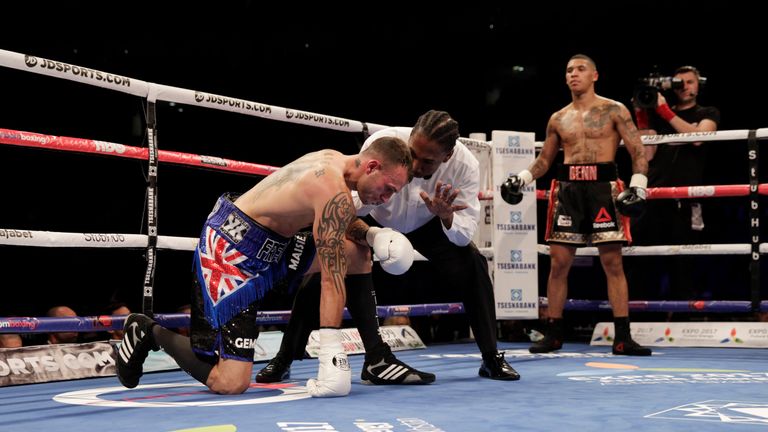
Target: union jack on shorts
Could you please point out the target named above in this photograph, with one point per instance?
(219, 264)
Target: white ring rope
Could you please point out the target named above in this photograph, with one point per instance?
(154, 92)
(21, 237)
(689, 137)
(691, 249)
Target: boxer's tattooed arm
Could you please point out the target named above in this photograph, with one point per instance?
(632, 141)
(331, 226)
(357, 230)
(550, 148)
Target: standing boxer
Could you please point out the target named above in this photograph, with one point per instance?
(585, 197)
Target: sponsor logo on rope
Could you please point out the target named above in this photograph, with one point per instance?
(212, 160)
(696, 247)
(12, 233)
(316, 118)
(701, 191)
(104, 238)
(41, 139)
(651, 138)
(16, 323)
(108, 147)
(202, 97)
(77, 71)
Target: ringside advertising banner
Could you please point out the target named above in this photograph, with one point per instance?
(45, 363)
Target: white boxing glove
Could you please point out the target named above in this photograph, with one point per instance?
(334, 377)
(393, 249)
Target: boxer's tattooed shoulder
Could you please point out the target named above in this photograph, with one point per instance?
(293, 171)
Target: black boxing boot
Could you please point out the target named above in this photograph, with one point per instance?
(623, 343)
(552, 341)
(137, 342)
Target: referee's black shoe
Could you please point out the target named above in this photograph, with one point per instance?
(277, 370)
(495, 367)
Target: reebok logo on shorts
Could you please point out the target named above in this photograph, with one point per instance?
(603, 219)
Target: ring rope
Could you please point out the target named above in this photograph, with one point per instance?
(176, 320)
(678, 192)
(720, 306)
(158, 92)
(690, 137)
(667, 250)
(84, 145)
(17, 237)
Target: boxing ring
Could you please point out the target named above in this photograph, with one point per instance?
(581, 386)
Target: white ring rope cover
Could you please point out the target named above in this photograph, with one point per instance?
(154, 92)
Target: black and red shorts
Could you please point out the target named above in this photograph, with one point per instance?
(582, 207)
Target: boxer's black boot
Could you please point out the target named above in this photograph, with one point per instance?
(552, 341)
(623, 343)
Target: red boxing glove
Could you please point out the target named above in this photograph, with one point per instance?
(641, 116)
(665, 112)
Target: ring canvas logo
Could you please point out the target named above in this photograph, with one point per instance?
(179, 395)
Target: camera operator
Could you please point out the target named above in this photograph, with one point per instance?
(669, 221)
